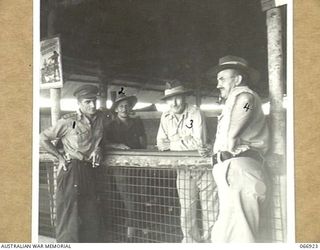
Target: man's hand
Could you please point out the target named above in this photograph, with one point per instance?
(163, 145)
(205, 150)
(63, 163)
(96, 158)
(120, 146)
(225, 155)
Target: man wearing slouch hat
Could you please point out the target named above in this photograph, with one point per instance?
(124, 133)
(183, 128)
(242, 139)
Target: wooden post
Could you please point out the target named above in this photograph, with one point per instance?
(55, 94)
(277, 115)
(275, 68)
(198, 97)
(103, 95)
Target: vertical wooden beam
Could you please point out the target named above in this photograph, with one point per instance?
(277, 116)
(103, 95)
(198, 96)
(55, 94)
(275, 68)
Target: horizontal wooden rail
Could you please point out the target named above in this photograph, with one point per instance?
(148, 159)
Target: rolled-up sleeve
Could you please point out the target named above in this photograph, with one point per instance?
(241, 113)
(199, 128)
(162, 131)
(55, 132)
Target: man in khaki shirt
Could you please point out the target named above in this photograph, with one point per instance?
(81, 134)
(241, 141)
(183, 128)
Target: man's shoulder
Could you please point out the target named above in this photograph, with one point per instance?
(70, 116)
(105, 113)
(246, 97)
(244, 91)
(193, 110)
(166, 115)
(106, 116)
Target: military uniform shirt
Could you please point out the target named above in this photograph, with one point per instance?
(80, 136)
(128, 134)
(253, 134)
(187, 132)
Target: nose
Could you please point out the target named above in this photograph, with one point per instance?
(219, 85)
(92, 104)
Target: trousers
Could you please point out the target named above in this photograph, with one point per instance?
(127, 181)
(242, 191)
(192, 184)
(76, 204)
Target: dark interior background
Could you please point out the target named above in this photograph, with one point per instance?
(146, 40)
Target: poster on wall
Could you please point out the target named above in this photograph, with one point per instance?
(50, 64)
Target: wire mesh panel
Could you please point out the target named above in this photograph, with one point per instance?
(47, 199)
(142, 204)
(160, 197)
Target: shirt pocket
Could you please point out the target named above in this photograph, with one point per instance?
(80, 135)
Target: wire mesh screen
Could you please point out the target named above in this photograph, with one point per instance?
(162, 203)
(143, 204)
(47, 188)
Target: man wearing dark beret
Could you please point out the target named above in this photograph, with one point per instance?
(81, 134)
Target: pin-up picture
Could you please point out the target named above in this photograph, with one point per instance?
(50, 63)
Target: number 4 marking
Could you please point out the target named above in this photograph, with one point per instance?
(247, 107)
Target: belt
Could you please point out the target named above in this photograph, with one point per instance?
(225, 155)
(85, 162)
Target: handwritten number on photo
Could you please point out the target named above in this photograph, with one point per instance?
(121, 91)
(247, 107)
(191, 124)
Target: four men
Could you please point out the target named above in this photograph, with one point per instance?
(241, 141)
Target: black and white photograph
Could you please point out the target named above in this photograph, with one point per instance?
(164, 121)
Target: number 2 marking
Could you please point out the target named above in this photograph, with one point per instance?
(121, 91)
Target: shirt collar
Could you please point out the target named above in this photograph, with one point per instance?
(81, 116)
(129, 121)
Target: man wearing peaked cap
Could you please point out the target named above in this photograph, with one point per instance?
(81, 134)
(242, 139)
(183, 128)
(86, 92)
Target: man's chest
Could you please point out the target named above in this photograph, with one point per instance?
(84, 132)
(180, 126)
